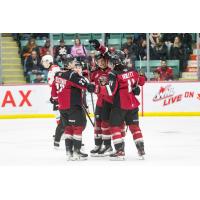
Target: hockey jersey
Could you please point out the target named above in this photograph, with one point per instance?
(121, 84)
(51, 73)
(97, 76)
(67, 89)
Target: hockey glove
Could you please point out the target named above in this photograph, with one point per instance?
(90, 87)
(54, 102)
(95, 44)
(136, 90)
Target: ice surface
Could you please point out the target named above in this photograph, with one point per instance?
(168, 141)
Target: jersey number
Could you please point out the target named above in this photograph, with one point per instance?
(131, 82)
(59, 87)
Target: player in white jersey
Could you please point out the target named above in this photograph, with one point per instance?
(47, 62)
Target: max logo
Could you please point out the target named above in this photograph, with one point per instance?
(164, 93)
(8, 99)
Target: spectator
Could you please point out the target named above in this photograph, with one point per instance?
(169, 37)
(186, 40)
(153, 38)
(163, 73)
(78, 50)
(61, 51)
(32, 64)
(159, 51)
(39, 78)
(45, 50)
(176, 52)
(31, 46)
(131, 47)
(142, 50)
(128, 60)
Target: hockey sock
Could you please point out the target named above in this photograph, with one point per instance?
(116, 135)
(97, 133)
(123, 131)
(77, 137)
(136, 132)
(106, 135)
(69, 144)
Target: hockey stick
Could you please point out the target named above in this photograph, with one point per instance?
(92, 99)
(86, 112)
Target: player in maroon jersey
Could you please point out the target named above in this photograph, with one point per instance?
(122, 81)
(67, 91)
(102, 134)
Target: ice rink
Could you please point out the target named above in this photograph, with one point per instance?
(169, 141)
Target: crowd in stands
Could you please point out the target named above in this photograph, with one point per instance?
(167, 46)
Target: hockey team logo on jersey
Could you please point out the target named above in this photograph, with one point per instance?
(164, 92)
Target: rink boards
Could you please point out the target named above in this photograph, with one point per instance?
(157, 99)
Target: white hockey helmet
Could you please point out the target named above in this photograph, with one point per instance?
(47, 60)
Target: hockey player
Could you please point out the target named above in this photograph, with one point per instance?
(47, 62)
(103, 107)
(122, 81)
(67, 91)
(104, 102)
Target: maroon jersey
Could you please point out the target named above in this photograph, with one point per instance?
(121, 86)
(97, 76)
(67, 88)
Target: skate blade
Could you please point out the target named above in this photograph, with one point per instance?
(117, 158)
(56, 148)
(69, 158)
(141, 157)
(105, 154)
(95, 155)
(78, 158)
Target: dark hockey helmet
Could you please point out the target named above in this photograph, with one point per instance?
(117, 58)
(67, 59)
(78, 63)
(99, 55)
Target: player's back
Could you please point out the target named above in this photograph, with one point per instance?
(68, 95)
(124, 96)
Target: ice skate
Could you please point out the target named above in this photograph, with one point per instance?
(95, 151)
(56, 145)
(105, 151)
(69, 155)
(78, 155)
(140, 148)
(119, 155)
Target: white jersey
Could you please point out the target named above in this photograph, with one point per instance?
(52, 71)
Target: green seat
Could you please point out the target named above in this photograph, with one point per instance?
(96, 36)
(114, 43)
(69, 36)
(23, 43)
(56, 42)
(69, 42)
(40, 43)
(174, 64)
(115, 35)
(32, 78)
(85, 42)
(125, 35)
(84, 36)
(57, 36)
(124, 40)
